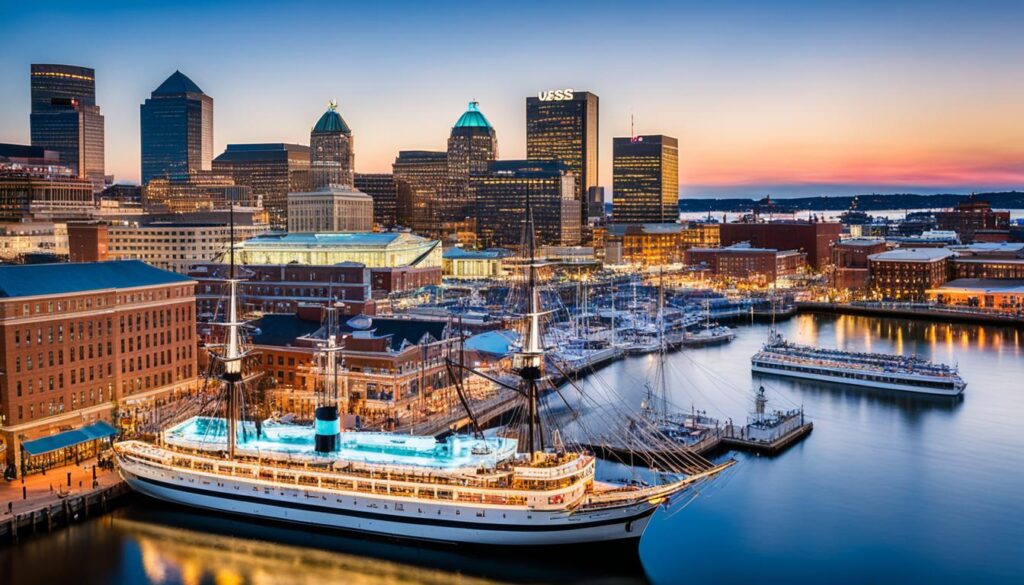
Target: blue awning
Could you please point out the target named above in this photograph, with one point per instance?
(97, 430)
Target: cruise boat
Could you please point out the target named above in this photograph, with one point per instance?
(874, 370)
(524, 490)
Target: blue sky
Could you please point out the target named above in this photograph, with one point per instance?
(765, 97)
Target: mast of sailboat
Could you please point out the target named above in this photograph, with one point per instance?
(532, 356)
(233, 354)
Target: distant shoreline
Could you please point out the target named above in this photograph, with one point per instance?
(868, 203)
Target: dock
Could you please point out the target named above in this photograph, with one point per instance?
(36, 508)
(915, 311)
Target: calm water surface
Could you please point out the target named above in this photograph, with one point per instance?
(888, 488)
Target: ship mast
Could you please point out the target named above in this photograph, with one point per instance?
(530, 360)
(233, 354)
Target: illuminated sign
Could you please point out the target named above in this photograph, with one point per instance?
(555, 95)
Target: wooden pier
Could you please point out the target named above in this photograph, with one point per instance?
(59, 511)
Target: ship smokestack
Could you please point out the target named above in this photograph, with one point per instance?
(328, 429)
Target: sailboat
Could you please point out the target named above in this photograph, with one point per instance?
(470, 489)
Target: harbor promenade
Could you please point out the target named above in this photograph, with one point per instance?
(916, 311)
(63, 494)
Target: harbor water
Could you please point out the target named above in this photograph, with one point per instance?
(889, 488)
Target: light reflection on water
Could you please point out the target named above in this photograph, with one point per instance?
(889, 487)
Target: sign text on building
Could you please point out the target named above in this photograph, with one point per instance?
(555, 95)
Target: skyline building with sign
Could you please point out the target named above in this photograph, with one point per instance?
(645, 179)
(563, 125)
(66, 119)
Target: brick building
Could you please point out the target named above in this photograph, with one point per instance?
(758, 265)
(81, 342)
(811, 238)
(850, 261)
(906, 274)
(971, 216)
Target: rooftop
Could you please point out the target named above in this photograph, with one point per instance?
(463, 254)
(177, 83)
(333, 240)
(618, 229)
(473, 117)
(860, 242)
(912, 255)
(331, 122)
(983, 285)
(54, 279)
(283, 330)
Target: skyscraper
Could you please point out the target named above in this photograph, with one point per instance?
(501, 203)
(332, 151)
(177, 129)
(271, 171)
(381, 187)
(472, 145)
(421, 177)
(562, 125)
(65, 118)
(645, 179)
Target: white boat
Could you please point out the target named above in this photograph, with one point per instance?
(469, 489)
(709, 335)
(873, 370)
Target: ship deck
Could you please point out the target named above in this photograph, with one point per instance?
(386, 449)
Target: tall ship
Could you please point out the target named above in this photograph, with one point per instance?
(874, 370)
(521, 486)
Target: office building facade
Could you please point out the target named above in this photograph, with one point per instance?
(645, 179)
(382, 189)
(330, 210)
(66, 119)
(563, 125)
(501, 203)
(472, 145)
(420, 178)
(271, 171)
(332, 151)
(177, 129)
(79, 341)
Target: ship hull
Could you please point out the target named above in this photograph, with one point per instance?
(365, 513)
(838, 378)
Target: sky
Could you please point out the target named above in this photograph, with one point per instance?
(784, 98)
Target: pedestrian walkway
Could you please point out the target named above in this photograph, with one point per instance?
(41, 490)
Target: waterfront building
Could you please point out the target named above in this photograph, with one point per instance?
(811, 237)
(460, 263)
(382, 189)
(756, 265)
(850, 262)
(472, 145)
(331, 209)
(177, 129)
(22, 239)
(332, 151)
(645, 179)
(276, 288)
(501, 203)
(908, 273)
(563, 125)
(271, 171)
(997, 294)
(81, 341)
(392, 368)
(66, 119)
(988, 261)
(971, 216)
(420, 178)
(197, 191)
(653, 244)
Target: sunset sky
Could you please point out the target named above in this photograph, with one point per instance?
(786, 98)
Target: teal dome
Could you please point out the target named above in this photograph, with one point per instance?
(473, 118)
(331, 122)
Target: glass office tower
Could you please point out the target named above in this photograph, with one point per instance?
(501, 203)
(66, 119)
(177, 129)
(272, 171)
(472, 144)
(562, 125)
(645, 179)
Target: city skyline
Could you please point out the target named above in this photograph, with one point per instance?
(793, 99)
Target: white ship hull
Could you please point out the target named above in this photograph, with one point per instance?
(384, 516)
(839, 378)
